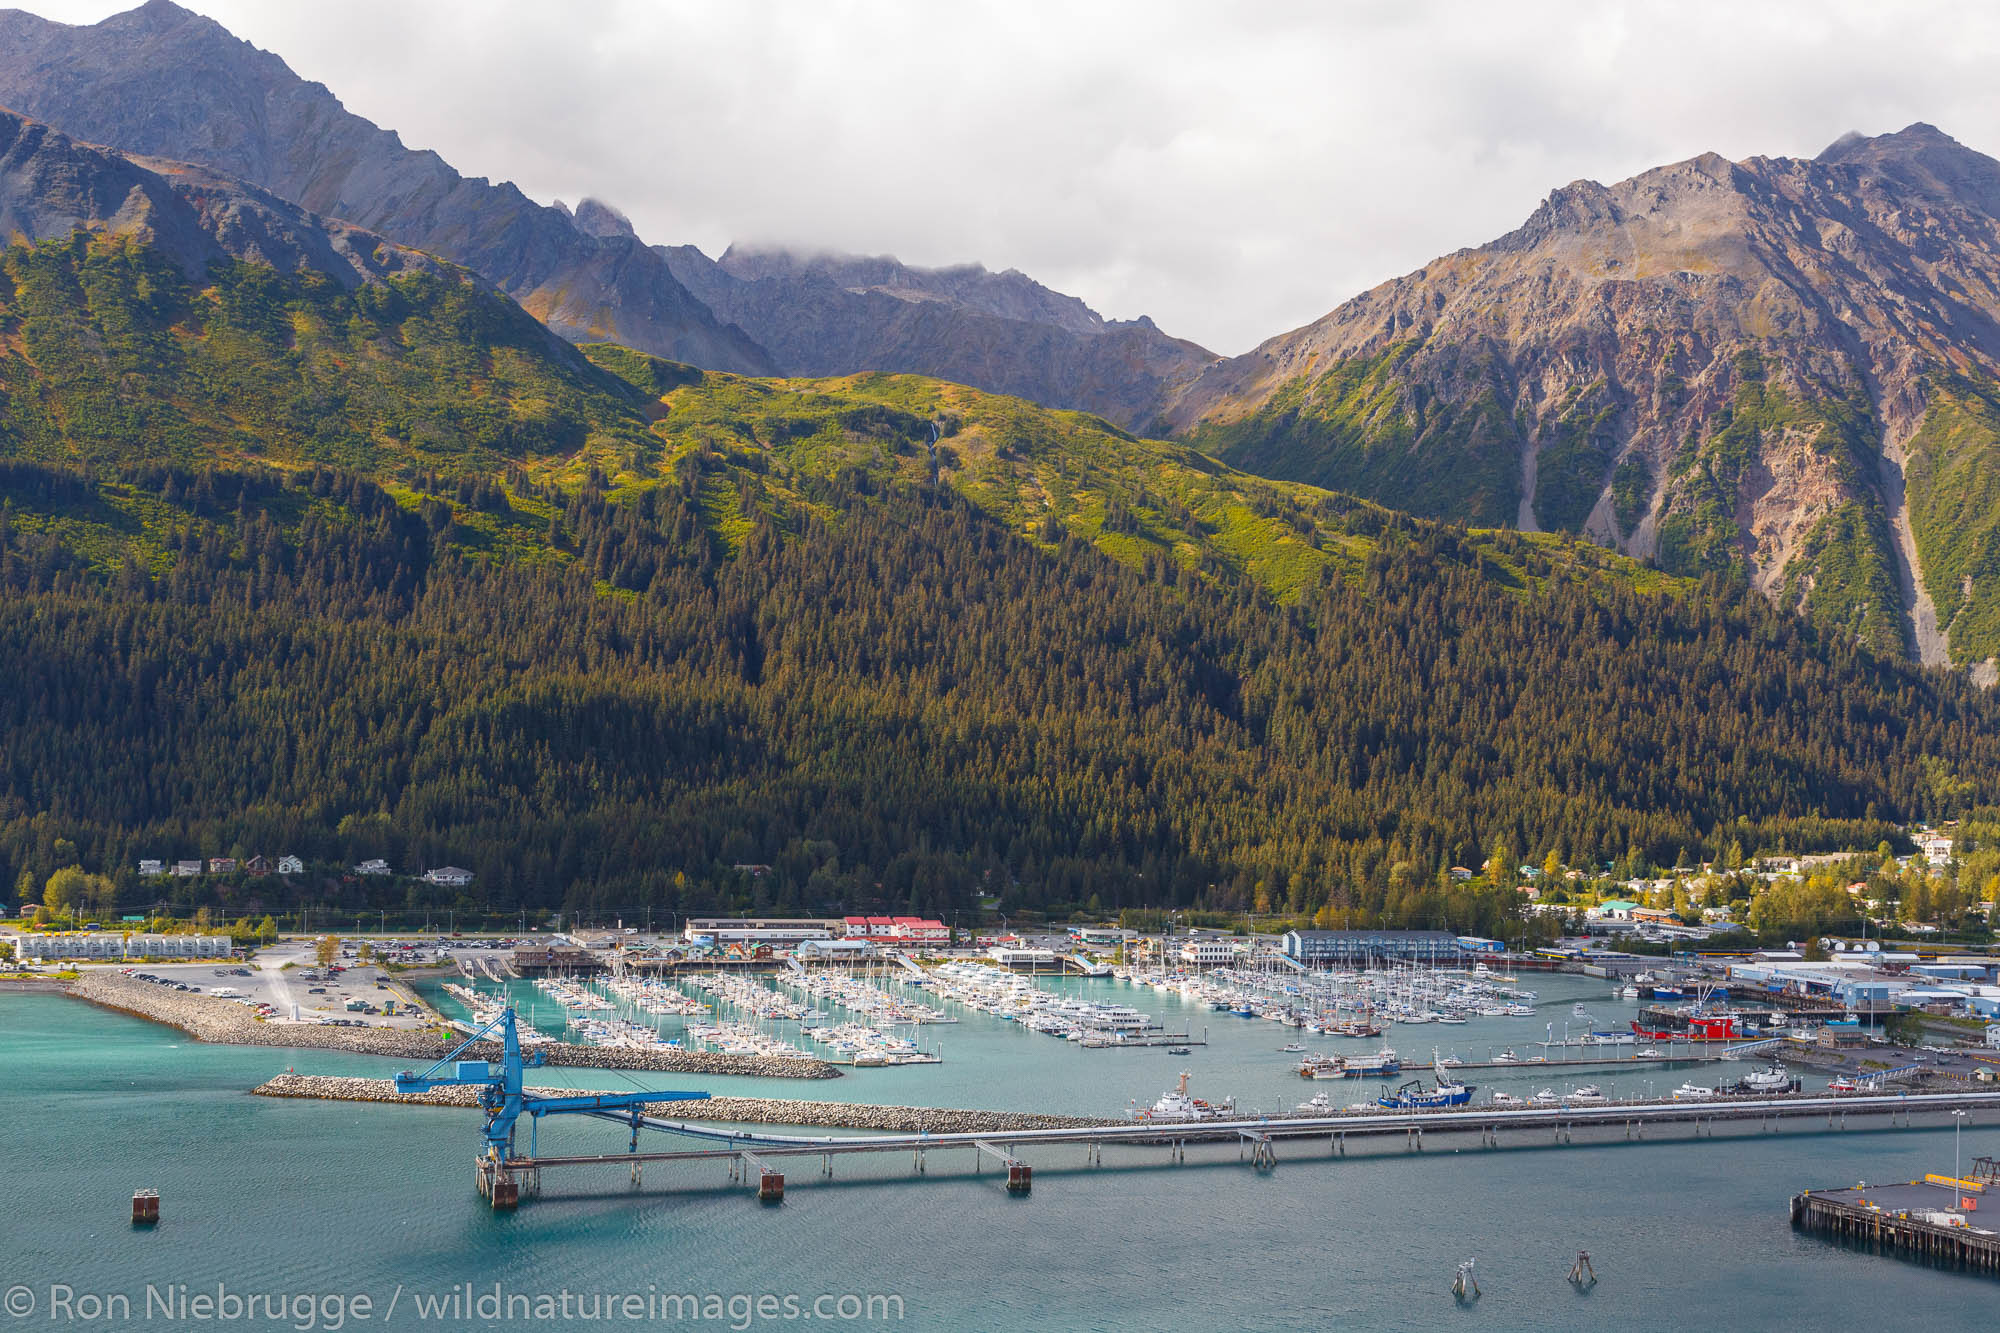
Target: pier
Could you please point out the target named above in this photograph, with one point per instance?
(1258, 1139)
(1919, 1219)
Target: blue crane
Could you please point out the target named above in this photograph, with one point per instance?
(506, 1101)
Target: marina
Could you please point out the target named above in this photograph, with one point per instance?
(1716, 1191)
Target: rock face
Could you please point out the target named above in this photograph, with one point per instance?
(52, 186)
(828, 314)
(162, 81)
(1780, 364)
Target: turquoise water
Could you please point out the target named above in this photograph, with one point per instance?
(339, 1201)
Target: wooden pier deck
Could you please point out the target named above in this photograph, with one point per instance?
(1925, 1219)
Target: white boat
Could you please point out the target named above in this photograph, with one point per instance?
(1774, 1079)
(1318, 1104)
(1587, 1095)
(1692, 1092)
(1505, 1099)
(1177, 1108)
(1546, 1097)
(1291, 1048)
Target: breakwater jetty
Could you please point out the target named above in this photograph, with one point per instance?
(718, 1110)
(224, 1022)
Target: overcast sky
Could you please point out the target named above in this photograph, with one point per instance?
(1232, 169)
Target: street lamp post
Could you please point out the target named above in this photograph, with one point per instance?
(1957, 1123)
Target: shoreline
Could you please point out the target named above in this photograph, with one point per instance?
(225, 1023)
(717, 1110)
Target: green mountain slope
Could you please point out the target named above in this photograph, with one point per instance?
(284, 571)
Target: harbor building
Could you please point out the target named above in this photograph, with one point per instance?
(1208, 951)
(101, 944)
(777, 932)
(1359, 948)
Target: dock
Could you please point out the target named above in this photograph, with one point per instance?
(1580, 1062)
(1936, 1219)
(1258, 1138)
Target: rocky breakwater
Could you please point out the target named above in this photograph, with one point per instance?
(225, 1022)
(717, 1110)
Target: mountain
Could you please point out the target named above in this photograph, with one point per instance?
(164, 82)
(831, 314)
(160, 80)
(385, 569)
(52, 187)
(1782, 366)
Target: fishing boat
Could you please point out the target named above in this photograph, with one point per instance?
(1177, 1050)
(1414, 1096)
(1318, 1104)
(1703, 1020)
(1383, 1064)
(1177, 1108)
(1292, 1048)
(1766, 1081)
(1842, 1084)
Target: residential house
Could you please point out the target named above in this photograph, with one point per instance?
(152, 868)
(1615, 909)
(450, 877)
(258, 865)
(221, 865)
(374, 867)
(1936, 847)
(186, 869)
(291, 865)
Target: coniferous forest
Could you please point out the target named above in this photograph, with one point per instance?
(605, 665)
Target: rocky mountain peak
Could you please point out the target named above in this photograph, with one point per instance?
(1923, 161)
(1789, 366)
(1008, 295)
(598, 218)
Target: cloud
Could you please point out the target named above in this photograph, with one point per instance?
(1231, 170)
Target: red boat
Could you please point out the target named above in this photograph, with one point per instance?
(1656, 1024)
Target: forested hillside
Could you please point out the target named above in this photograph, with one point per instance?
(288, 568)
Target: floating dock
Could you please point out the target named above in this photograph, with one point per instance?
(1936, 1219)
